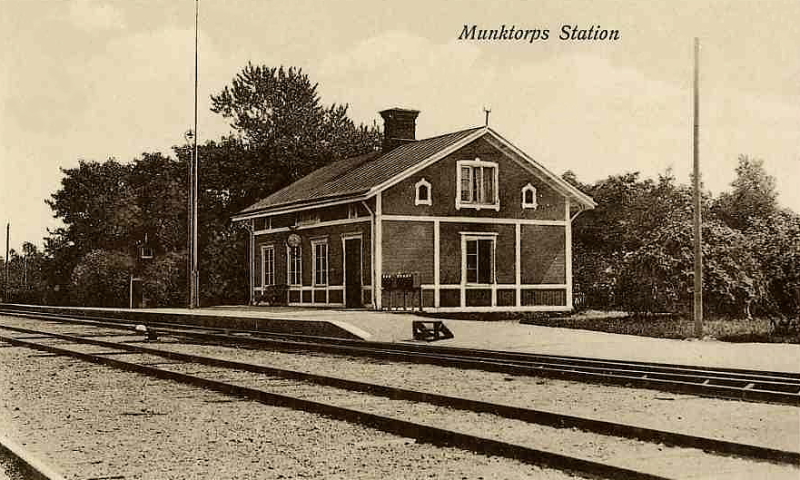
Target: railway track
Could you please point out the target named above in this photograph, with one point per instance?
(335, 397)
(751, 385)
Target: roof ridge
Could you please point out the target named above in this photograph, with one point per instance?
(449, 133)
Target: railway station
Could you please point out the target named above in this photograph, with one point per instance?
(399, 240)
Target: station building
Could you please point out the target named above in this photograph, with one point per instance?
(478, 223)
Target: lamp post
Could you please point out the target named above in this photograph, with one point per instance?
(192, 282)
(191, 135)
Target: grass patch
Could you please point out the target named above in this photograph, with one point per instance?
(668, 326)
(737, 330)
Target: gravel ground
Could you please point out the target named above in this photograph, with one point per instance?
(776, 426)
(92, 422)
(761, 424)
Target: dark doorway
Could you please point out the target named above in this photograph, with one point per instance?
(352, 267)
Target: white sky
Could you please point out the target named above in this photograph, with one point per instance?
(94, 79)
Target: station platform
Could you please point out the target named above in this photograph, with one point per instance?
(513, 336)
(494, 335)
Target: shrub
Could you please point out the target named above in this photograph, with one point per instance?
(102, 279)
(164, 280)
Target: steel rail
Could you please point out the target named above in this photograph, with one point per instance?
(541, 417)
(418, 431)
(522, 356)
(724, 383)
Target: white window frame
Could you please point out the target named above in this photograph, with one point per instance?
(289, 264)
(472, 164)
(314, 245)
(467, 237)
(267, 279)
(419, 201)
(529, 188)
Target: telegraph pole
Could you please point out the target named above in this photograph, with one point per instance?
(5, 285)
(194, 283)
(698, 234)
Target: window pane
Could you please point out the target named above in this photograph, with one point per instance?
(293, 262)
(488, 184)
(423, 192)
(269, 266)
(485, 261)
(472, 261)
(466, 182)
(476, 185)
(325, 264)
(321, 264)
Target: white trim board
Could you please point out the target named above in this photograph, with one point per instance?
(499, 221)
(329, 223)
(543, 308)
(287, 209)
(499, 286)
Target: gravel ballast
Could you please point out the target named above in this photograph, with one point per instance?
(89, 421)
(596, 401)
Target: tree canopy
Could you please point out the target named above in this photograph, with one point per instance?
(280, 131)
(634, 251)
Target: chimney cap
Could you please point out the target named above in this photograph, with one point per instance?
(399, 110)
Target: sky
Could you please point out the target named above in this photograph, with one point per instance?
(94, 79)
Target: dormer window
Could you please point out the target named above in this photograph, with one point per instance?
(529, 197)
(477, 185)
(423, 197)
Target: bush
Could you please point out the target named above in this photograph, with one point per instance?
(164, 281)
(102, 279)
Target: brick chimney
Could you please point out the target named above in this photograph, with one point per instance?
(399, 127)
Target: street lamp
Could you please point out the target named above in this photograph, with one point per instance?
(191, 135)
(193, 275)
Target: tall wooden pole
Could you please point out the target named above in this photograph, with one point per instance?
(698, 234)
(8, 232)
(194, 282)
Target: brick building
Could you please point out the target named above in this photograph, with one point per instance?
(479, 223)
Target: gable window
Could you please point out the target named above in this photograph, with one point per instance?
(477, 185)
(479, 261)
(267, 265)
(320, 261)
(294, 265)
(423, 196)
(529, 197)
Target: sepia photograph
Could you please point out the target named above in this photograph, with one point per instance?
(469, 240)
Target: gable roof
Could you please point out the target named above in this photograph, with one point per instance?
(364, 175)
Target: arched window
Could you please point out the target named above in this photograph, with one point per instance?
(423, 197)
(529, 197)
